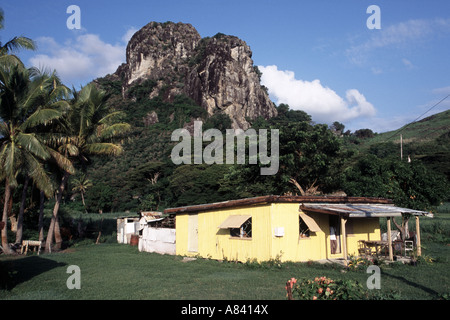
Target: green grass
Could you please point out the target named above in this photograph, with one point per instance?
(111, 271)
(423, 130)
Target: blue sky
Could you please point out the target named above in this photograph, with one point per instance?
(318, 56)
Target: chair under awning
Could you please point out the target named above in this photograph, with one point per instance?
(367, 210)
(310, 222)
(235, 221)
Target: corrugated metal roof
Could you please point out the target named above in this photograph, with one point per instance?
(361, 210)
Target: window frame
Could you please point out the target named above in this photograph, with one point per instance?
(244, 232)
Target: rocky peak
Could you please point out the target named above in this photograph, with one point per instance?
(158, 49)
(217, 72)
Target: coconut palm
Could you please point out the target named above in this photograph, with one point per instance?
(80, 185)
(50, 103)
(22, 150)
(92, 129)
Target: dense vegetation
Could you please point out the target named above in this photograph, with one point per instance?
(47, 133)
(50, 134)
(314, 158)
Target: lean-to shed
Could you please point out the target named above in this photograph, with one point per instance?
(289, 228)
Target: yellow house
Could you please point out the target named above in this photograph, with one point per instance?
(288, 228)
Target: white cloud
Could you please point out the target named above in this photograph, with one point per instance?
(322, 103)
(82, 59)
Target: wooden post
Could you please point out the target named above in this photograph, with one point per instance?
(419, 249)
(391, 256)
(401, 147)
(344, 238)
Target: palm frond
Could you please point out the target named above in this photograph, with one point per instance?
(9, 60)
(36, 171)
(103, 148)
(69, 149)
(10, 160)
(41, 117)
(29, 142)
(114, 130)
(17, 43)
(62, 162)
(111, 117)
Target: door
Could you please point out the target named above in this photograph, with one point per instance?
(193, 233)
(335, 234)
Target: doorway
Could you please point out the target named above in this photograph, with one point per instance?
(193, 233)
(335, 234)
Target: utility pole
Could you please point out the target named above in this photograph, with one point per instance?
(401, 147)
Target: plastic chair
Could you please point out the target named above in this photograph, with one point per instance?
(409, 246)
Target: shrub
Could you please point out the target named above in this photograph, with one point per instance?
(360, 263)
(322, 288)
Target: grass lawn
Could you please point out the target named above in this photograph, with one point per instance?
(118, 271)
(113, 271)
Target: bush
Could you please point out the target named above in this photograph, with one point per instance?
(322, 288)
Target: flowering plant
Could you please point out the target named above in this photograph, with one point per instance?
(323, 288)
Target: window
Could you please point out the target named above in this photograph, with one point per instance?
(304, 229)
(307, 225)
(244, 231)
(240, 226)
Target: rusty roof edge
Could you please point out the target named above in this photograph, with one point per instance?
(275, 199)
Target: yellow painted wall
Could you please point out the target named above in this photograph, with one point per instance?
(216, 243)
(291, 247)
(363, 229)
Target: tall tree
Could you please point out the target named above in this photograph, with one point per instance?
(91, 129)
(21, 112)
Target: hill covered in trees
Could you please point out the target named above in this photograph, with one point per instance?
(173, 78)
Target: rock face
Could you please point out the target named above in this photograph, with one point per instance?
(217, 73)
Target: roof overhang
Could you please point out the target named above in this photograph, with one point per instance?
(361, 210)
(263, 200)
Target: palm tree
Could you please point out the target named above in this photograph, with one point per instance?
(80, 185)
(21, 148)
(92, 129)
(50, 103)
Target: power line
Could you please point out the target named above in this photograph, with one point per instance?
(404, 127)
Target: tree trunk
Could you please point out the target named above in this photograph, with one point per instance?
(53, 222)
(19, 233)
(5, 244)
(58, 237)
(82, 199)
(41, 216)
(404, 230)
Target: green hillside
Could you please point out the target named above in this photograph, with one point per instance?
(425, 130)
(427, 140)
